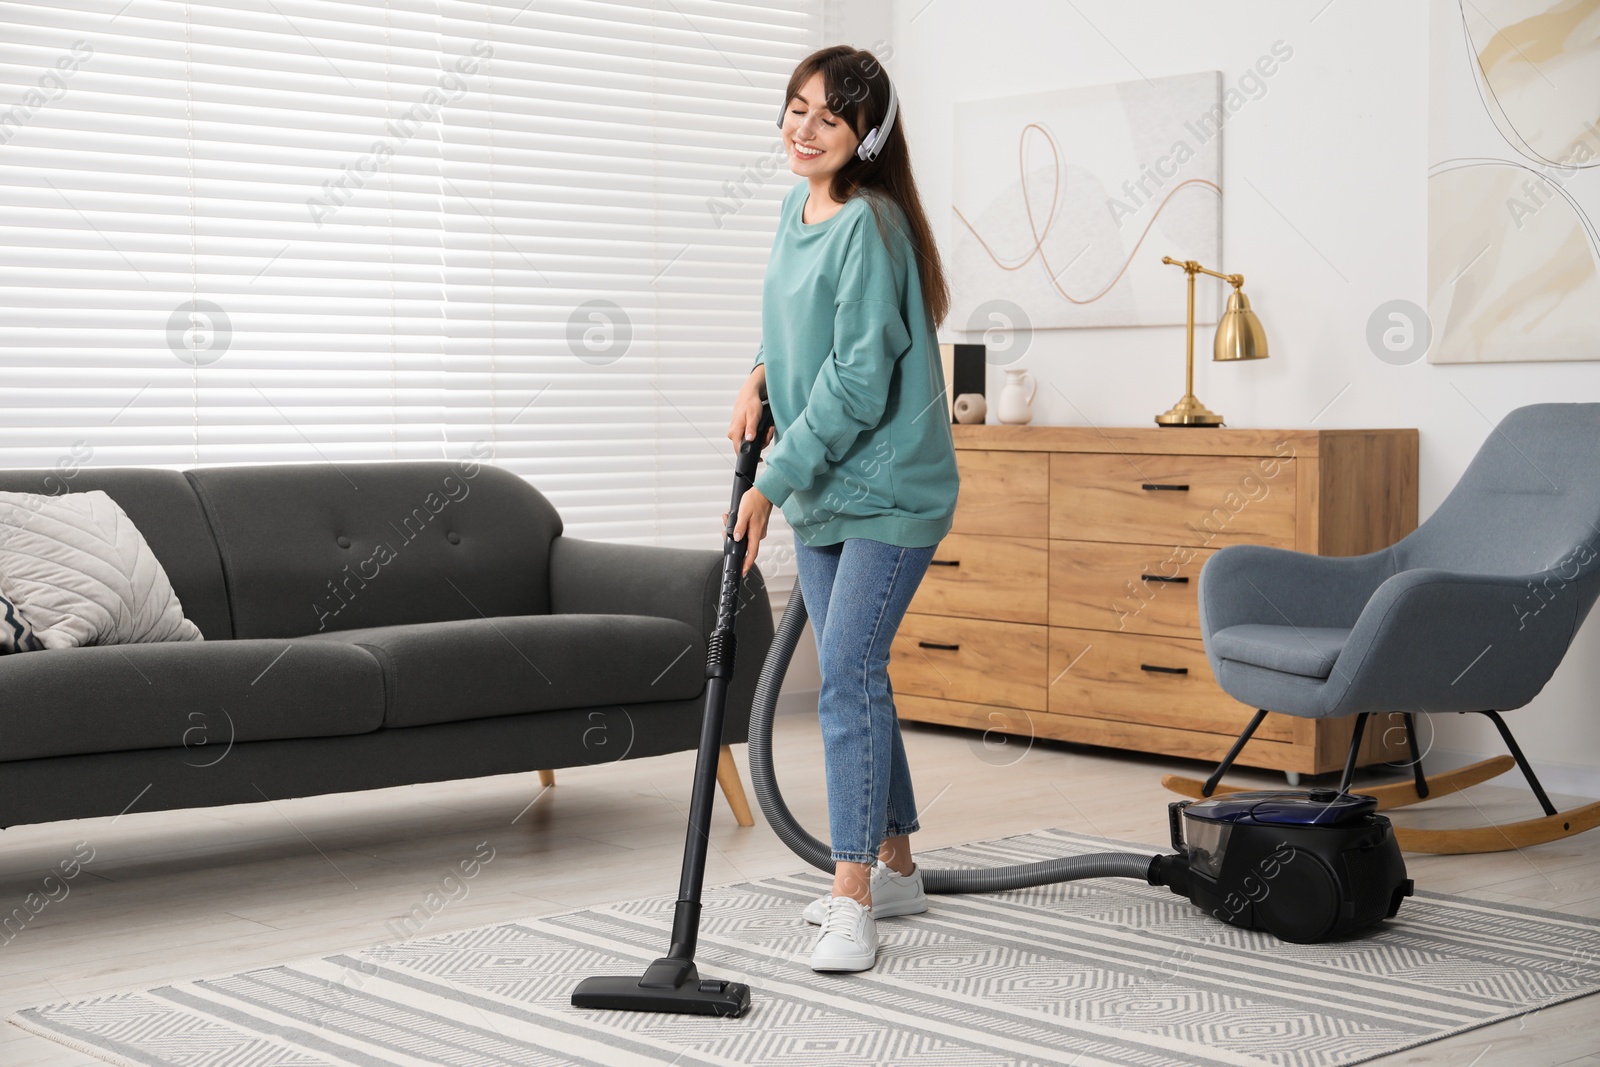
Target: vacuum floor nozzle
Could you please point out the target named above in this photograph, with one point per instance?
(674, 986)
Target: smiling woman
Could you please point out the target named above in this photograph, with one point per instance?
(863, 464)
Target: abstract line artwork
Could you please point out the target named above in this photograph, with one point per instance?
(1514, 186)
(1065, 202)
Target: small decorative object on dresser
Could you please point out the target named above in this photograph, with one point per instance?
(1016, 401)
(1062, 602)
(971, 408)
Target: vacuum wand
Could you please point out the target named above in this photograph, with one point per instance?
(673, 983)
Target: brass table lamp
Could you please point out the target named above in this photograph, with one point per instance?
(1239, 336)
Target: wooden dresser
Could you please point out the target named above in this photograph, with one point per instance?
(1062, 603)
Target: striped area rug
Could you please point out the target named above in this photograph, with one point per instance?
(1103, 972)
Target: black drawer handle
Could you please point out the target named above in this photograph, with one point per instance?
(930, 644)
(1162, 578)
(1163, 670)
(1173, 488)
(944, 563)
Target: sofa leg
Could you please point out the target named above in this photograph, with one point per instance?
(547, 778)
(733, 788)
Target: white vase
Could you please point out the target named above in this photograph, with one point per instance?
(1016, 401)
(970, 408)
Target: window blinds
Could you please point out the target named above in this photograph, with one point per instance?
(338, 230)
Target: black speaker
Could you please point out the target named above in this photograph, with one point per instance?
(965, 368)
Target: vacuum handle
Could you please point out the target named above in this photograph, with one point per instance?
(744, 464)
(719, 674)
(719, 653)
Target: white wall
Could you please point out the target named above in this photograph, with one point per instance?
(1325, 213)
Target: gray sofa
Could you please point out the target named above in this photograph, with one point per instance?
(367, 625)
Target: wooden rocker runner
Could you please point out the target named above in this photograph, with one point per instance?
(1470, 612)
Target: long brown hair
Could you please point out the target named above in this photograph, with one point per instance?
(857, 89)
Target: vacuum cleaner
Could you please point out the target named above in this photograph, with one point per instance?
(1305, 866)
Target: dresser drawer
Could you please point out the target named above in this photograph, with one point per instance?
(1170, 500)
(1137, 588)
(1003, 493)
(1163, 681)
(976, 660)
(987, 577)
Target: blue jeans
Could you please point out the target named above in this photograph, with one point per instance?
(856, 594)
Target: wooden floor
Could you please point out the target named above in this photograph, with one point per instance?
(184, 894)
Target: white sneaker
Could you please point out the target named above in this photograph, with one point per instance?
(892, 894)
(848, 940)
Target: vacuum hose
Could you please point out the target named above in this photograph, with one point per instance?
(1157, 870)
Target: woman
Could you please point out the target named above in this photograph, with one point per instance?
(864, 464)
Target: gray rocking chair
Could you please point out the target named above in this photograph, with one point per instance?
(1470, 612)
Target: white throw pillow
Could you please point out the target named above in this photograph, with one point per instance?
(82, 573)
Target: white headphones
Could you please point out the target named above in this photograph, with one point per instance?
(875, 139)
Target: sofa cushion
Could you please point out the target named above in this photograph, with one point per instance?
(194, 695)
(477, 668)
(318, 547)
(1304, 650)
(84, 574)
(164, 508)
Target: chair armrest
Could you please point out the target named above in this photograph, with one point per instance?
(1437, 640)
(604, 578)
(1274, 586)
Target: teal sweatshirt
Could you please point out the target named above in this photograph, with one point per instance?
(857, 390)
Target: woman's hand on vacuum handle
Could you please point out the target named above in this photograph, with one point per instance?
(755, 511)
(754, 508)
(747, 410)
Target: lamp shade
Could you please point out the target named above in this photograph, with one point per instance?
(1239, 334)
